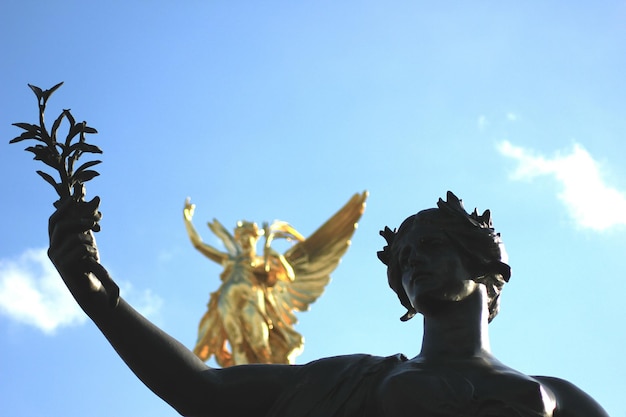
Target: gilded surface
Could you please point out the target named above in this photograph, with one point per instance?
(250, 318)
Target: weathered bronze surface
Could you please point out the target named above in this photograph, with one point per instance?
(250, 317)
(444, 263)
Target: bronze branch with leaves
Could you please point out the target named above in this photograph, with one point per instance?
(63, 157)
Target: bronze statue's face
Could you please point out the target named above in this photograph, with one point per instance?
(432, 268)
(435, 254)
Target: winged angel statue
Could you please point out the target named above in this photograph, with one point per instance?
(250, 317)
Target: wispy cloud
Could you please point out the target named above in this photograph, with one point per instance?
(32, 293)
(590, 201)
(482, 122)
(512, 117)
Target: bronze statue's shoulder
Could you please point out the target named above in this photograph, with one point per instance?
(353, 359)
(571, 401)
(338, 385)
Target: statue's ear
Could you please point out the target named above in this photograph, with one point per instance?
(479, 269)
(504, 270)
(493, 267)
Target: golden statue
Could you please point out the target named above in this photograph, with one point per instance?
(250, 317)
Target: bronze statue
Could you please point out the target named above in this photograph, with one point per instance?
(252, 311)
(444, 263)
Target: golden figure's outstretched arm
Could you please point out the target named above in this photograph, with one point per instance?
(207, 250)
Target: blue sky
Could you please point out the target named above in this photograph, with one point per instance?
(283, 110)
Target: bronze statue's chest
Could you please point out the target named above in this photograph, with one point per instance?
(417, 392)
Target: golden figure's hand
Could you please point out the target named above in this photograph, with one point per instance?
(196, 240)
(189, 209)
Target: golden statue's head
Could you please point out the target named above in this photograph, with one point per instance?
(247, 233)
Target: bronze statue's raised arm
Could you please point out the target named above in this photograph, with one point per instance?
(207, 250)
(168, 368)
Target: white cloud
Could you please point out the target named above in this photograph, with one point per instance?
(590, 201)
(33, 293)
(511, 117)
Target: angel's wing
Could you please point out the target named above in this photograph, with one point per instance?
(313, 260)
(221, 232)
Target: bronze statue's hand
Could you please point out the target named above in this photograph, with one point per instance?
(189, 209)
(73, 249)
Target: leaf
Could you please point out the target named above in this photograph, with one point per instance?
(53, 89)
(56, 124)
(36, 90)
(69, 116)
(75, 129)
(86, 165)
(39, 150)
(27, 126)
(85, 147)
(84, 176)
(48, 178)
(26, 135)
(88, 129)
(45, 155)
(46, 94)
